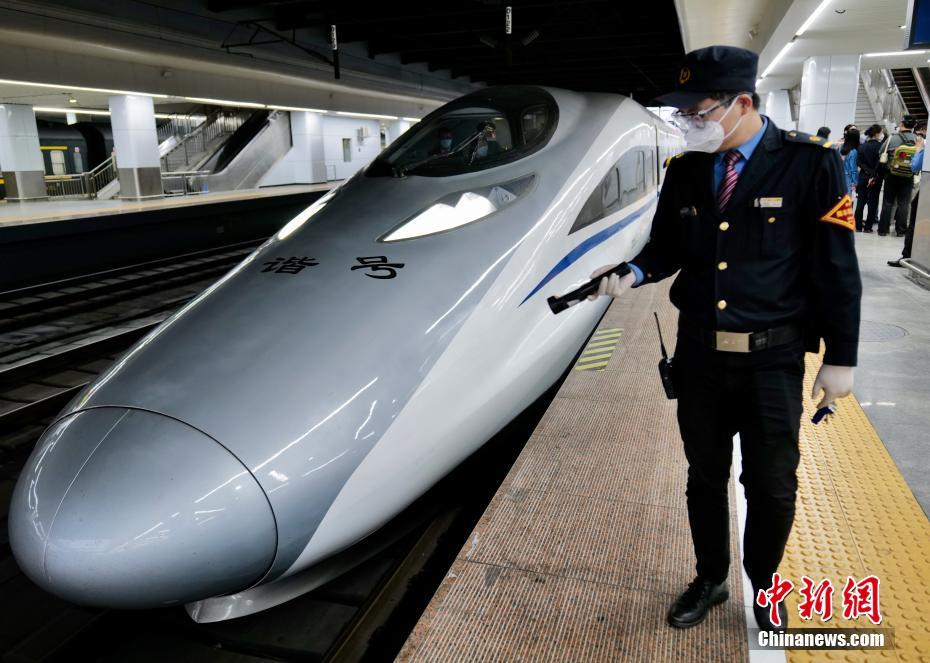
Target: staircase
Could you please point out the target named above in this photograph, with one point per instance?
(199, 145)
(907, 86)
(865, 114)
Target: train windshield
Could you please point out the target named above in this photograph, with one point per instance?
(481, 130)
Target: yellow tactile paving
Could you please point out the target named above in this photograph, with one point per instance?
(596, 355)
(857, 517)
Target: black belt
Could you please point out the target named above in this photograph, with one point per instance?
(739, 341)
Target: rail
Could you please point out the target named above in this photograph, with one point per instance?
(81, 185)
(179, 125)
(199, 141)
(184, 183)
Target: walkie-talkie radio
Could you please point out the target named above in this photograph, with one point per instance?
(665, 365)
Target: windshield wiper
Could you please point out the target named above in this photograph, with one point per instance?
(400, 171)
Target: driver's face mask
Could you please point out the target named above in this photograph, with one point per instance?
(445, 143)
(703, 135)
(482, 150)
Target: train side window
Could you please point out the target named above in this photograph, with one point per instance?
(632, 184)
(650, 166)
(58, 162)
(603, 201)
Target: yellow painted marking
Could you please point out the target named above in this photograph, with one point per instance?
(588, 367)
(592, 357)
(612, 341)
(53, 147)
(856, 516)
(601, 335)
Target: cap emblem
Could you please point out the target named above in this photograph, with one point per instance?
(684, 75)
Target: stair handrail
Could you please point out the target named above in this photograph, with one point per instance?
(217, 123)
(887, 104)
(99, 176)
(921, 88)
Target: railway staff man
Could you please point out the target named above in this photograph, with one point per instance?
(759, 226)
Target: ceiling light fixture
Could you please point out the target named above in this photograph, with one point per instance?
(298, 109)
(72, 100)
(71, 88)
(373, 115)
(812, 18)
(777, 59)
(226, 102)
(892, 53)
(80, 111)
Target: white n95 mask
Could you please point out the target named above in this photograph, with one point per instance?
(705, 135)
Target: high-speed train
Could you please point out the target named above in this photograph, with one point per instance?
(347, 365)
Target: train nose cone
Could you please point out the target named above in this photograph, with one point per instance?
(126, 508)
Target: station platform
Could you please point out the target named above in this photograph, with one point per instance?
(15, 214)
(586, 543)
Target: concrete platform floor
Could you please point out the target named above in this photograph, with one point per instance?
(58, 210)
(893, 378)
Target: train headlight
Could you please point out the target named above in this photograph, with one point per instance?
(460, 208)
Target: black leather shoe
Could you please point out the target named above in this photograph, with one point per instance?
(867, 230)
(691, 607)
(895, 263)
(900, 234)
(762, 617)
(881, 234)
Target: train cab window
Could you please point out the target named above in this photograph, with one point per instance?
(481, 130)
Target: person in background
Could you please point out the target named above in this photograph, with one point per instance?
(850, 154)
(824, 132)
(839, 144)
(917, 166)
(869, 184)
(898, 184)
(445, 141)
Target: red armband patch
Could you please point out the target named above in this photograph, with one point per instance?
(842, 214)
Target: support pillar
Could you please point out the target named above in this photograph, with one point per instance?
(135, 139)
(20, 157)
(396, 130)
(829, 85)
(307, 130)
(778, 108)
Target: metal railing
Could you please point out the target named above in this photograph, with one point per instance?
(102, 175)
(81, 185)
(186, 183)
(66, 186)
(179, 125)
(196, 144)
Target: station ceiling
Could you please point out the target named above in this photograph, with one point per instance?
(591, 45)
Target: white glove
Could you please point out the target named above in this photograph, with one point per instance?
(613, 285)
(835, 381)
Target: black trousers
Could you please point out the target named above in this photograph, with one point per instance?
(867, 196)
(909, 237)
(898, 202)
(757, 395)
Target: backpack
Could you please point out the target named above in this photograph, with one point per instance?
(899, 162)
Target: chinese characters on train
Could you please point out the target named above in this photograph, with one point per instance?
(379, 267)
(860, 598)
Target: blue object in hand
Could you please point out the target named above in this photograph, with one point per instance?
(823, 412)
